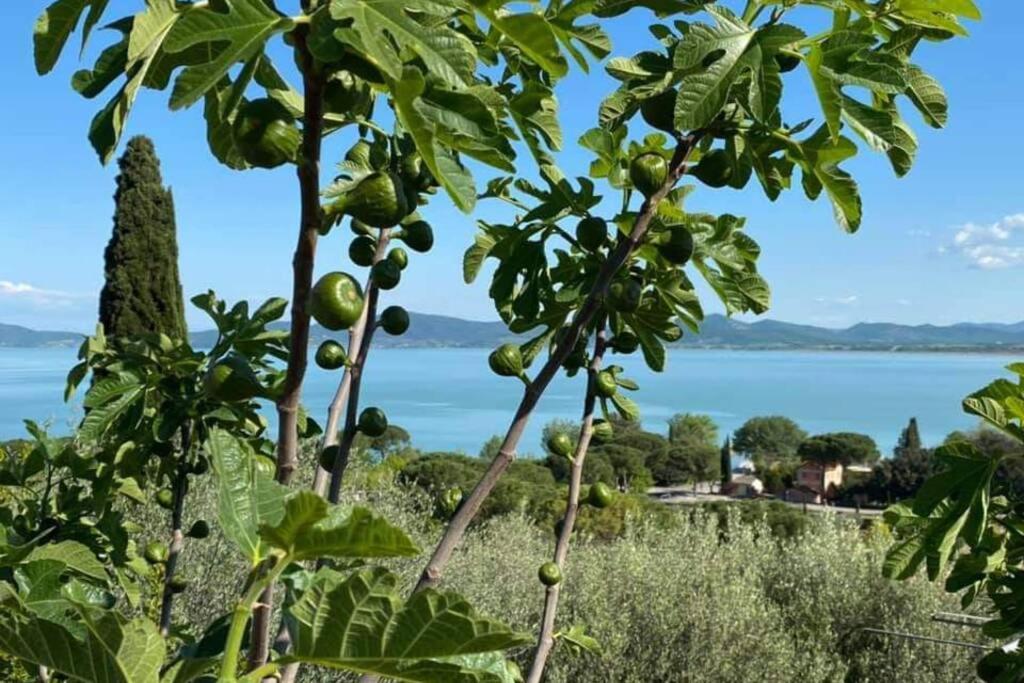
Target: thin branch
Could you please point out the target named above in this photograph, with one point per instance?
(356, 372)
(177, 535)
(546, 637)
(434, 569)
(302, 283)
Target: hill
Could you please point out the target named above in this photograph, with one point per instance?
(439, 331)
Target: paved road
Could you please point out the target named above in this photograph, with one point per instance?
(684, 495)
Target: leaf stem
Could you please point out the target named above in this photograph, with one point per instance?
(240, 617)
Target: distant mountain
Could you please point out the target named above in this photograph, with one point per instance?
(426, 331)
(15, 335)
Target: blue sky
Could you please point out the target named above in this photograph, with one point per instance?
(945, 244)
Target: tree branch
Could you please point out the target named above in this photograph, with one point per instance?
(431, 575)
(177, 535)
(546, 637)
(302, 283)
(356, 371)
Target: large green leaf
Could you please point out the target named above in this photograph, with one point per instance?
(387, 28)
(301, 533)
(112, 649)
(242, 26)
(246, 497)
(928, 96)
(826, 88)
(52, 30)
(531, 32)
(145, 49)
(73, 554)
(358, 623)
(452, 175)
(704, 88)
(98, 420)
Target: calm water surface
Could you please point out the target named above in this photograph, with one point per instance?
(448, 400)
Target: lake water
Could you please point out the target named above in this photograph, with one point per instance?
(448, 399)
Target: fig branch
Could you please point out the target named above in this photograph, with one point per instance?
(355, 372)
(177, 535)
(302, 282)
(546, 637)
(456, 529)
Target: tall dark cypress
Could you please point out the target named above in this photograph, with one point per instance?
(726, 461)
(142, 290)
(910, 440)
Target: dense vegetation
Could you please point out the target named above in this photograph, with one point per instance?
(95, 588)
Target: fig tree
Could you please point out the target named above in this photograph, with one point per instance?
(399, 256)
(336, 301)
(177, 584)
(378, 199)
(346, 93)
(591, 233)
(418, 235)
(677, 245)
(385, 274)
(648, 173)
(359, 154)
(549, 574)
(659, 111)
(156, 552)
(373, 422)
(265, 133)
(362, 250)
(506, 361)
(165, 498)
(624, 342)
(714, 169)
(560, 444)
(624, 295)
(394, 320)
(231, 379)
(200, 529)
(327, 457)
(604, 384)
(602, 431)
(331, 355)
(600, 495)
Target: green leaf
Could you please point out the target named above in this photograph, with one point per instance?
(145, 50)
(387, 28)
(474, 258)
(98, 420)
(452, 175)
(112, 650)
(243, 28)
(627, 407)
(903, 560)
(826, 88)
(75, 555)
(246, 497)
(110, 388)
(535, 112)
(52, 30)
(577, 637)
(362, 534)
(928, 96)
(531, 33)
(704, 89)
(359, 623)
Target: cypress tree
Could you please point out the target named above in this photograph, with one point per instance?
(909, 443)
(142, 290)
(726, 462)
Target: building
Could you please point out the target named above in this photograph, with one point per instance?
(815, 482)
(744, 486)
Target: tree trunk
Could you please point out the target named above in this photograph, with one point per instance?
(302, 283)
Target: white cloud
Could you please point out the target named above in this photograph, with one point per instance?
(838, 301)
(994, 246)
(904, 302)
(24, 292)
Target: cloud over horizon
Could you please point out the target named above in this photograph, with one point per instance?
(995, 246)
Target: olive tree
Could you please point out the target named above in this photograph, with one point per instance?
(587, 277)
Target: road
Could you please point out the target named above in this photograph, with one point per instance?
(685, 495)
